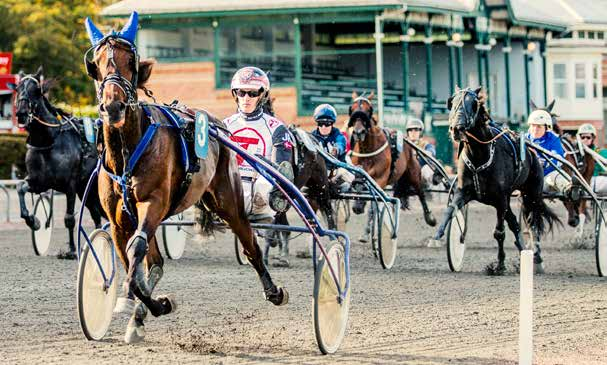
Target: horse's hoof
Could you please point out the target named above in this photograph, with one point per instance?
(33, 223)
(280, 262)
(430, 220)
(432, 243)
(124, 305)
(539, 268)
(495, 269)
(364, 238)
(279, 297)
(134, 334)
(168, 302)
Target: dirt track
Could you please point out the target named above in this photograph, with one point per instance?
(417, 313)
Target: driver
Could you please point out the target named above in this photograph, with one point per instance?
(415, 132)
(261, 134)
(334, 143)
(540, 132)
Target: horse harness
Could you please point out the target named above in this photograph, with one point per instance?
(189, 161)
(578, 154)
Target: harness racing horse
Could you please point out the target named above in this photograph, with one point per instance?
(157, 185)
(371, 150)
(58, 157)
(310, 171)
(489, 170)
(575, 154)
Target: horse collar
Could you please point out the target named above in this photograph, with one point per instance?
(475, 170)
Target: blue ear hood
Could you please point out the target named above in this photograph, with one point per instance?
(128, 32)
(94, 34)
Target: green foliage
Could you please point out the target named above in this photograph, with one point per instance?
(52, 34)
(12, 151)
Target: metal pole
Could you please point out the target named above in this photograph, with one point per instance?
(506, 50)
(405, 66)
(460, 64)
(451, 63)
(527, 81)
(298, 66)
(379, 67)
(216, 53)
(428, 42)
(487, 78)
(543, 54)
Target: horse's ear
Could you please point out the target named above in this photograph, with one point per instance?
(145, 70)
(350, 110)
(550, 106)
(21, 74)
(457, 88)
(371, 95)
(91, 69)
(478, 90)
(354, 95)
(38, 73)
(450, 103)
(532, 105)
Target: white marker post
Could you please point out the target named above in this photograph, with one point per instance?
(525, 335)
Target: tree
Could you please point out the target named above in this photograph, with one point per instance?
(51, 33)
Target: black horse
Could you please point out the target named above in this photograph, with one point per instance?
(57, 157)
(489, 169)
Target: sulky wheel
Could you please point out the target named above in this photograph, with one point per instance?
(95, 300)
(330, 311)
(386, 237)
(600, 247)
(43, 211)
(174, 238)
(456, 234)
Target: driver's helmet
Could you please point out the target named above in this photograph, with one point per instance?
(587, 128)
(540, 117)
(250, 78)
(414, 123)
(325, 113)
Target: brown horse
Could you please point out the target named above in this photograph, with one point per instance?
(155, 186)
(371, 150)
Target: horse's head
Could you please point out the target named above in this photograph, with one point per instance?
(116, 69)
(361, 116)
(30, 96)
(466, 111)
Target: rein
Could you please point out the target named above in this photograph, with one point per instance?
(489, 141)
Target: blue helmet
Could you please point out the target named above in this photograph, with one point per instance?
(325, 113)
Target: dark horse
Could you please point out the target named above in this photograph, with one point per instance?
(489, 170)
(371, 150)
(311, 172)
(156, 186)
(58, 156)
(574, 153)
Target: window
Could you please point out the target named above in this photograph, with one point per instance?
(600, 35)
(596, 83)
(560, 80)
(591, 35)
(581, 34)
(580, 80)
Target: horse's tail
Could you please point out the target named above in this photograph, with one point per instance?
(540, 217)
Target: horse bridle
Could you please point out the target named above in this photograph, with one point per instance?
(359, 112)
(470, 119)
(30, 105)
(115, 78)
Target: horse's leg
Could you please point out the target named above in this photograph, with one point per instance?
(366, 235)
(31, 221)
(515, 228)
(500, 234)
(135, 330)
(95, 215)
(137, 247)
(70, 222)
(459, 200)
(419, 188)
(281, 240)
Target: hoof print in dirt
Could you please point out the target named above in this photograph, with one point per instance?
(495, 269)
(67, 255)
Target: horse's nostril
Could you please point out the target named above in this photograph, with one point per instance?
(102, 108)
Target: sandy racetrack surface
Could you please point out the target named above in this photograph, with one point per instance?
(416, 313)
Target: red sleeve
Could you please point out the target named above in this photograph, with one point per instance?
(347, 141)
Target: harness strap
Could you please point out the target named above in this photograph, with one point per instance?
(370, 154)
(475, 170)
